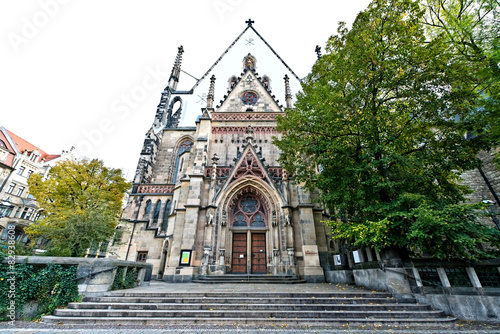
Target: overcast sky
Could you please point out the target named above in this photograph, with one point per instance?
(67, 64)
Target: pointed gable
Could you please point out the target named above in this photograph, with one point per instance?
(249, 94)
(264, 61)
(249, 164)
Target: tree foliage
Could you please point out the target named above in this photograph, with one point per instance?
(472, 28)
(380, 128)
(82, 204)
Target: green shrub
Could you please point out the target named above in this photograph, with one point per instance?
(50, 287)
(124, 280)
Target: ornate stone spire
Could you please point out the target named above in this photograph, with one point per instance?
(249, 132)
(176, 70)
(288, 92)
(210, 96)
(213, 178)
(215, 159)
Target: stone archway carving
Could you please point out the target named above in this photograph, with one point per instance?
(249, 207)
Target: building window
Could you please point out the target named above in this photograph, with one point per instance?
(11, 187)
(28, 214)
(142, 256)
(157, 212)
(147, 210)
(2, 145)
(29, 173)
(20, 191)
(185, 146)
(37, 216)
(249, 211)
(5, 211)
(21, 170)
(25, 211)
(17, 212)
(164, 225)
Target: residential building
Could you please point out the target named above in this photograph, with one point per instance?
(19, 159)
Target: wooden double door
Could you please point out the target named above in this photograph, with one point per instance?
(242, 251)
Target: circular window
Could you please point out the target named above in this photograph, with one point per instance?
(249, 98)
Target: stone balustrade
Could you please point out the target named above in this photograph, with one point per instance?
(95, 276)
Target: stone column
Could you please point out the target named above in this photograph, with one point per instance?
(311, 270)
(276, 261)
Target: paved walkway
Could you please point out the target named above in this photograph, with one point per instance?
(162, 287)
(22, 327)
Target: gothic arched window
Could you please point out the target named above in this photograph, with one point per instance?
(249, 211)
(185, 146)
(147, 210)
(157, 212)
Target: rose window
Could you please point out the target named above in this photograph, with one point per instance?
(249, 212)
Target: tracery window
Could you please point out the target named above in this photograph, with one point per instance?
(157, 212)
(147, 210)
(185, 146)
(249, 212)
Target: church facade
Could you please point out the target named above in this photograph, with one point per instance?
(209, 195)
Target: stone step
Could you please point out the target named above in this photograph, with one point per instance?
(245, 306)
(260, 279)
(211, 313)
(239, 295)
(225, 306)
(240, 281)
(246, 300)
(348, 321)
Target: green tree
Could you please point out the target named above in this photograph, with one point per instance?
(82, 204)
(379, 130)
(472, 27)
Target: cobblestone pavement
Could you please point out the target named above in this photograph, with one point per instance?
(26, 327)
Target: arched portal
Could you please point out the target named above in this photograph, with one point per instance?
(250, 233)
(249, 216)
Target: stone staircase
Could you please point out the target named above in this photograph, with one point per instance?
(354, 308)
(245, 279)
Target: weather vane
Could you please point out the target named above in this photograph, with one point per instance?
(203, 98)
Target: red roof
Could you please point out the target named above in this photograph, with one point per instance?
(23, 145)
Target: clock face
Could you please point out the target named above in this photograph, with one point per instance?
(249, 98)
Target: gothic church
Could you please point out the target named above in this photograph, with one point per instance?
(209, 196)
